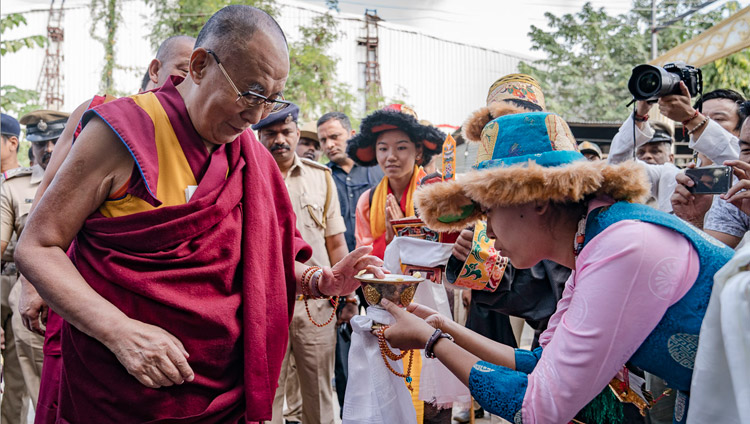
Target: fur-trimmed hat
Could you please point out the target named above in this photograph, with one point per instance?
(361, 148)
(533, 157)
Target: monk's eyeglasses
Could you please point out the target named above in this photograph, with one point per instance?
(251, 98)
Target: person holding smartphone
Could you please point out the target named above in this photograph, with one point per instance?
(727, 217)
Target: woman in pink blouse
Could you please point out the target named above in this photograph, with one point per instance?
(638, 291)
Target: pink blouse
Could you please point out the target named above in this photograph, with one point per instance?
(624, 281)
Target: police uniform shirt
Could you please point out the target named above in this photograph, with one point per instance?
(308, 183)
(16, 195)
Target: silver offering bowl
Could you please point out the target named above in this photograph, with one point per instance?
(399, 289)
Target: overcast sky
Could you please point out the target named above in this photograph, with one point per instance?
(478, 22)
(481, 22)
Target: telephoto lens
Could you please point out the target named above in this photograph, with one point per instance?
(650, 82)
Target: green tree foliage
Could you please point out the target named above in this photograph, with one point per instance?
(106, 12)
(14, 100)
(590, 55)
(11, 21)
(730, 72)
(186, 17)
(589, 58)
(312, 82)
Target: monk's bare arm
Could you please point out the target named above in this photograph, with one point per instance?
(83, 184)
(30, 305)
(97, 163)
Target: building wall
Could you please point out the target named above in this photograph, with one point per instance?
(443, 80)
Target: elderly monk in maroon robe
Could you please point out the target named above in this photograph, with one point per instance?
(172, 58)
(170, 247)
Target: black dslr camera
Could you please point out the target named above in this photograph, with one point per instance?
(650, 82)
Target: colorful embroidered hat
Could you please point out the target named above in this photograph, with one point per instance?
(516, 86)
(361, 148)
(527, 157)
(520, 91)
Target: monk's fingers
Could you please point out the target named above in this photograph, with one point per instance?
(377, 271)
(145, 379)
(168, 366)
(368, 260)
(179, 362)
(158, 376)
(354, 256)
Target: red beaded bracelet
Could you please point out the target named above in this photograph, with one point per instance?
(687, 121)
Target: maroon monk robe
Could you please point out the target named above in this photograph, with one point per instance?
(217, 272)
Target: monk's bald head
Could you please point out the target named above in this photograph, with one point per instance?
(240, 58)
(230, 29)
(174, 46)
(172, 58)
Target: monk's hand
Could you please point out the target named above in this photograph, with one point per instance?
(409, 331)
(153, 356)
(32, 307)
(339, 280)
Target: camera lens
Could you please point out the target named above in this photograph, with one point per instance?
(649, 83)
(646, 82)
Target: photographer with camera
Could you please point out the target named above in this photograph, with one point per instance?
(712, 132)
(726, 216)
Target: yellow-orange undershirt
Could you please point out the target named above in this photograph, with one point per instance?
(174, 170)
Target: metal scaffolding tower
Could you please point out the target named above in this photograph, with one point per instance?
(373, 89)
(49, 84)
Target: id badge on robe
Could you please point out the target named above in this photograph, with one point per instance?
(189, 191)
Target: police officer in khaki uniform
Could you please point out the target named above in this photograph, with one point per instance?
(43, 127)
(14, 400)
(316, 204)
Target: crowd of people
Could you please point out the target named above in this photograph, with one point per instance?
(189, 253)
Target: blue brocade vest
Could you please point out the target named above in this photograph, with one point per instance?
(669, 351)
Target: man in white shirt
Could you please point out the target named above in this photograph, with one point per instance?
(713, 134)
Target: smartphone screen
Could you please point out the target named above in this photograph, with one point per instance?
(710, 179)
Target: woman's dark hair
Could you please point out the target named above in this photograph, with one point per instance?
(568, 211)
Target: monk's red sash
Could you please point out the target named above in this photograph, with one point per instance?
(217, 272)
